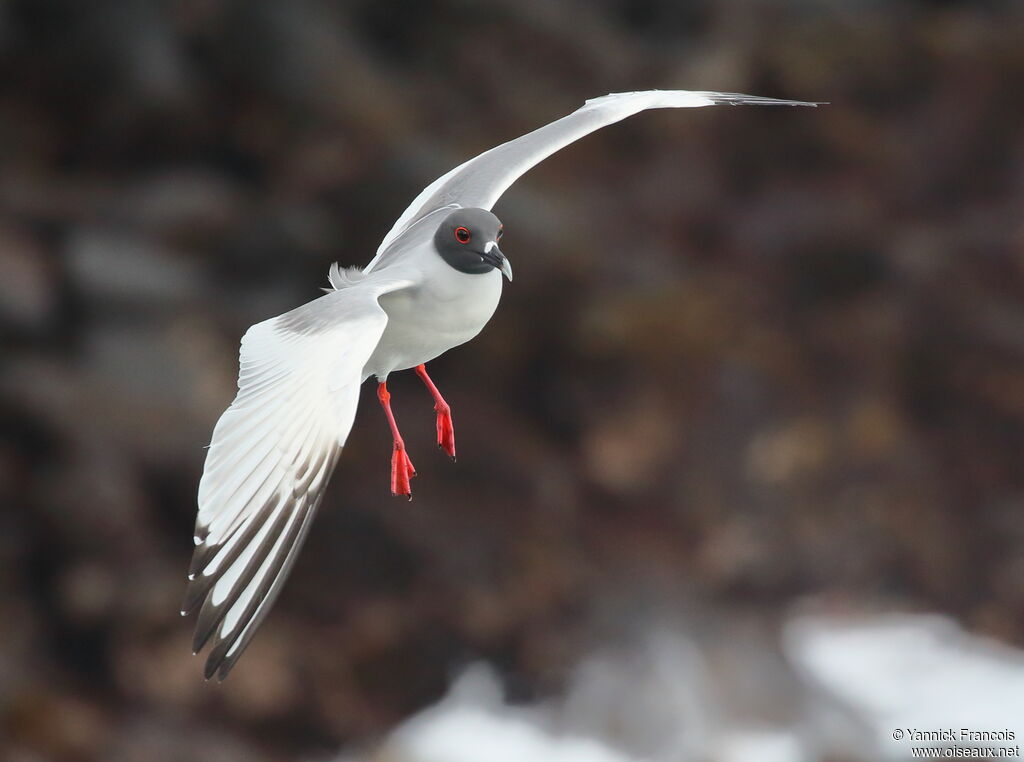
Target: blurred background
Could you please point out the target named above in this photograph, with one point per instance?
(739, 468)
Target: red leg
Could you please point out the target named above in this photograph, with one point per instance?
(445, 429)
(401, 467)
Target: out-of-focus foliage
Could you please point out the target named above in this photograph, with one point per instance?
(750, 355)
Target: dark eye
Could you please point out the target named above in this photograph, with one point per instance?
(462, 235)
(501, 232)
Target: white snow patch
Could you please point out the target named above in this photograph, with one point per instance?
(904, 671)
(473, 724)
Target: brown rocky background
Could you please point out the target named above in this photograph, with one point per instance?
(750, 357)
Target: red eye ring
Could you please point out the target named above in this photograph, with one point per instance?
(462, 234)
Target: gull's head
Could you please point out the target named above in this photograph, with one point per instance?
(468, 241)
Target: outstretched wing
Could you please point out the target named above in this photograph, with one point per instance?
(272, 453)
(480, 181)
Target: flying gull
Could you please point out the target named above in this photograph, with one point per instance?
(433, 285)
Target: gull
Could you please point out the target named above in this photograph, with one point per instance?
(434, 283)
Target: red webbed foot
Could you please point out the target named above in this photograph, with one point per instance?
(402, 470)
(445, 428)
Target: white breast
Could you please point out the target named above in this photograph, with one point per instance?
(448, 308)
